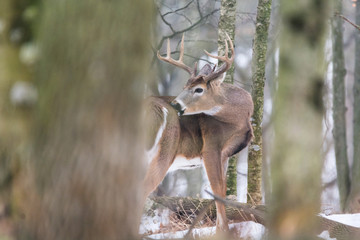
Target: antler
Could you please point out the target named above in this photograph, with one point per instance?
(227, 61)
(179, 63)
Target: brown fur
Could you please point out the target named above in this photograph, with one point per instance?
(213, 138)
(217, 126)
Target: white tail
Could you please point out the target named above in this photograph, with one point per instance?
(209, 119)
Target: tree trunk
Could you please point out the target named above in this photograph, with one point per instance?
(258, 69)
(354, 197)
(339, 109)
(227, 25)
(297, 118)
(87, 162)
(17, 96)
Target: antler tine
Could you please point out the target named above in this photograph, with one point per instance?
(226, 48)
(231, 47)
(181, 49)
(179, 63)
(227, 61)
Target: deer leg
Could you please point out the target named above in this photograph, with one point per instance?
(237, 143)
(215, 172)
(157, 171)
(163, 152)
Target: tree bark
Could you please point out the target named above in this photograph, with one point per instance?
(227, 25)
(258, 69)
(353, 204)
(339, 109)
(297, 119)
(87, 162)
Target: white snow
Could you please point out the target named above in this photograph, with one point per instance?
(250, 230)
(348, 219)
(153, 223)
(244, 230)
(181, 162)
(325, 235)
(247, 230)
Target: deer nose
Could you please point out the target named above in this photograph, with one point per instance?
(177, 106)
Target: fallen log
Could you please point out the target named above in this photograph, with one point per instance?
(192, 206)
(241, 212)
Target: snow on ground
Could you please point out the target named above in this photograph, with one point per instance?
(247, 230)
(153, 223)
(326, 235)
(348, 219)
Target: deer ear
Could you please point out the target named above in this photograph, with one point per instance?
(219, 80)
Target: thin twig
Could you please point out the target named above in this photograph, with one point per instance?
(198, 218)
(166, 22)
(185, 29)
(179, 9)
(347, 20)
(251, 199)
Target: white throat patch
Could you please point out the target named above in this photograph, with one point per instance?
(211, 112)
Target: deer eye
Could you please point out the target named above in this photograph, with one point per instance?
(199, 90)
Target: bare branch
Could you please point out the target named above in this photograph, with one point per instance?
(347, 20)
(198, 8)
(174, 32)
(166, 22)
(179, 9)
(200, 216)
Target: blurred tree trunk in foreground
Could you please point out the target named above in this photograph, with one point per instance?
(258, 70)
(227, 25)
(339, 109)
(16, 103)
(298, 111)
(354, 197)
(87, 160)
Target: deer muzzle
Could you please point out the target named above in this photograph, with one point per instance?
(178, 107)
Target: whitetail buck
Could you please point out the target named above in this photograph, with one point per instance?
(209, 120)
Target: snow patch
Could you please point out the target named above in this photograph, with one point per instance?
(348, 219)
(325, 235)
(249, 230)
(244, 230)
(181, 162)
(153, 223)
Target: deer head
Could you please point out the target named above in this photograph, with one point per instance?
(202, 92)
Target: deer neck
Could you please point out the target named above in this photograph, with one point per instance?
(231, 107)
